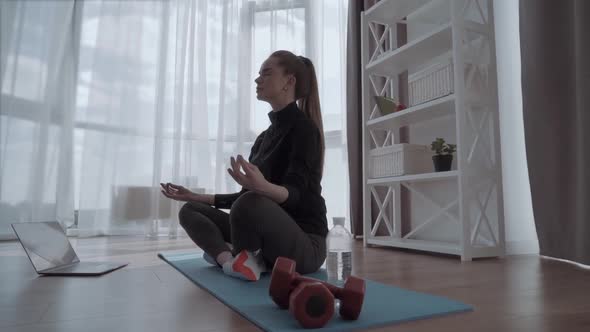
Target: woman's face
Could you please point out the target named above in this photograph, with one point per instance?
(272, 83)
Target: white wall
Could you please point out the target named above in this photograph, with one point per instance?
(521, 236)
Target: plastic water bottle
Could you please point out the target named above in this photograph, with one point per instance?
(339, 252)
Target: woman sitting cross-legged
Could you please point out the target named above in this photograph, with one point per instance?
(280, 210)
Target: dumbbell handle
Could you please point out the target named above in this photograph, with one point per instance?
(335, 290)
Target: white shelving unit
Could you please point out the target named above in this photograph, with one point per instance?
(469, 212)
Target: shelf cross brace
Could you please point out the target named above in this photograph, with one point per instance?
(382, 216)
(478, 132)
(483, 217)
(429, 200)
(380, 40)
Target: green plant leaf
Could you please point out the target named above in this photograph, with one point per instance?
(438, 146)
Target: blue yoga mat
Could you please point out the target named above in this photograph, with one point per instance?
(383, 304)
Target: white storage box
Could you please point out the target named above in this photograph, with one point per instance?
(400, 159)
(430, 83)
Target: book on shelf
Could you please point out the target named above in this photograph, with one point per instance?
(388, 105)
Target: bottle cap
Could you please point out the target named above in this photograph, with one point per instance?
(338, 221)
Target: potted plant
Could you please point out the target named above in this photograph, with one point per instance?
(443, 157)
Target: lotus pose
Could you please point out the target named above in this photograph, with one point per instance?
(280, 210)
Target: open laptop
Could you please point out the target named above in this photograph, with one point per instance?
(51, 253)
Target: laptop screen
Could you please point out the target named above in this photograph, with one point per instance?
(46, 244)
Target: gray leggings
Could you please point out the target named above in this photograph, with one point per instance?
(254, 222)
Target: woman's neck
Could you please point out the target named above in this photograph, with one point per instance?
(279, 105)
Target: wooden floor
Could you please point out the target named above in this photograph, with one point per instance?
(516, 293)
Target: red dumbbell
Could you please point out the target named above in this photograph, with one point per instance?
(311, 301)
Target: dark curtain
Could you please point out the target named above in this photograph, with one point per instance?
(554, 43)
(354, 116)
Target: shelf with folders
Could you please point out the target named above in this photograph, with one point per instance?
(459, 211)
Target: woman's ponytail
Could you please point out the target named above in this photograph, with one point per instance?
(310, 104)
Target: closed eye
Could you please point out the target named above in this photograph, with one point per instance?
(265, 72)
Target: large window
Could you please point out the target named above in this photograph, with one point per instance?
(130, 64)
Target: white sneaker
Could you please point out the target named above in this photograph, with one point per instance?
(212, 260)
(246, 265)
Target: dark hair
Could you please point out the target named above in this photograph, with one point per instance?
(306, 89)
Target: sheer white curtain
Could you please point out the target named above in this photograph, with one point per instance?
(37, 70)
(315, 29)
(158, 101)
(165, 92)
(327, 42)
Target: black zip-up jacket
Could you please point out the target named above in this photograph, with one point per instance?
(288, 154)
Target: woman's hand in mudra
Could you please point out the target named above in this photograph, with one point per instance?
(176, 192)
(251, 178)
